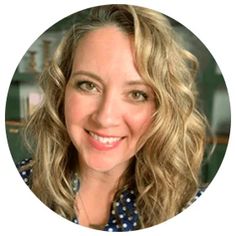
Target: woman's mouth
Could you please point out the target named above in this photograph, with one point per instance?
(103, 142)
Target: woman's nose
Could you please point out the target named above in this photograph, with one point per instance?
(108, 112)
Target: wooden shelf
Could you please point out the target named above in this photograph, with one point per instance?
(15, 122)
(219, 139)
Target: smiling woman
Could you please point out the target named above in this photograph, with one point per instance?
(106, 105)
(118, 141)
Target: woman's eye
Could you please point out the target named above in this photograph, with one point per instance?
(139, 96)
(87, 86)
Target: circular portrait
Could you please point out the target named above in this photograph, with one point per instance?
(112, 118)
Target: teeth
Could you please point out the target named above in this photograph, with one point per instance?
(104, 140)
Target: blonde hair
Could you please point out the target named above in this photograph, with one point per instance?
(165, 170)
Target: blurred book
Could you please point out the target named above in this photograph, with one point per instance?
(221, 112)
(34, 99)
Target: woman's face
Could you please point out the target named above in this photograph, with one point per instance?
(108, 106)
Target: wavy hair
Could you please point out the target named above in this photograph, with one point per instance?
(165, 170)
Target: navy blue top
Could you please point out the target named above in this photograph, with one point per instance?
(125, 206)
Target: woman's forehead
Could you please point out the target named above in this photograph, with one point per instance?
(105, 49)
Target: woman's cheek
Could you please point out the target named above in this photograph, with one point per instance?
(79, 106)
(140, 120)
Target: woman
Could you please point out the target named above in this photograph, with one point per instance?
(118, 141)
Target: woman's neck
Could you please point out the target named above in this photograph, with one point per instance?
(98, 181)
(101, 180)
(95, 196)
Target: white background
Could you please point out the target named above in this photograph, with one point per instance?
(22, 22)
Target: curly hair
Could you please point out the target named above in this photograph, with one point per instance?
(165, 170)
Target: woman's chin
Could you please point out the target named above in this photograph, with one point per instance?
(105, 165)
(100, 166)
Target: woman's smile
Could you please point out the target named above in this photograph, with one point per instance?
(103, 142)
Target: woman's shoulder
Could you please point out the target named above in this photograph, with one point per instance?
(25, 169)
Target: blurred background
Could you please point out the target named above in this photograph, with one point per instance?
(24, 93)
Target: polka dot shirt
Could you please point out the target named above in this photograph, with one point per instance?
(123, 215)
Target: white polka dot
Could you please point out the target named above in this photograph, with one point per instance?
(136, 212)
(121, 196)
(117, 203)
(113, 212)
(125, 225)
(110, 230)
(23, 172)
(132, 191)
(124, 208)
(23, 162)
(121, 216)
(135, 205)
(113, 221)
(130, 218)
(26, 179)
(135, 224)
(128, 200)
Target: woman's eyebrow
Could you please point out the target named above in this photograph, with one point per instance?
(136, 82)
(89, 74)
(98, 78)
